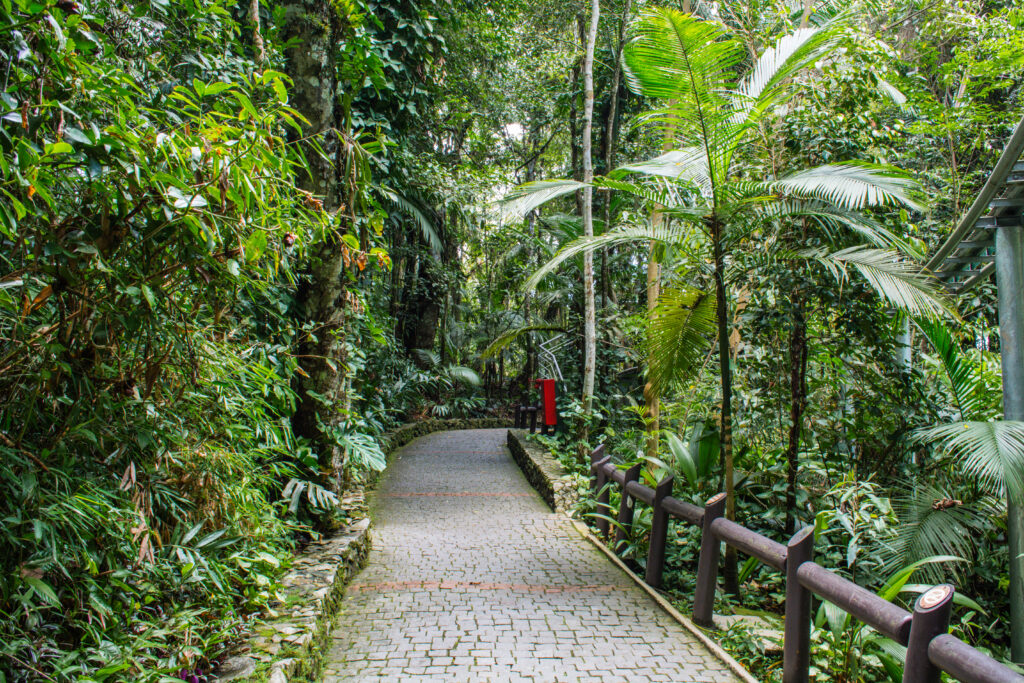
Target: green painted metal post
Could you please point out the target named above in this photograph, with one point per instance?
(1010, 279)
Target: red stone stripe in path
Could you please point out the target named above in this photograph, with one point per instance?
(473, 578)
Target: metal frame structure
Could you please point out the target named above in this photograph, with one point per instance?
(549, 362)
(967, 257)
(989, 239)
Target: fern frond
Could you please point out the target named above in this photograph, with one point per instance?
(427, 227)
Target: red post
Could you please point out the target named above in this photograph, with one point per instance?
(547, 392)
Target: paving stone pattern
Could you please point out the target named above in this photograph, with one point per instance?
(473, 578)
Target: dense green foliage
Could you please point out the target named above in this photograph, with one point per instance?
(219, 285)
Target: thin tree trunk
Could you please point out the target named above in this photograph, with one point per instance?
(590, 323)
(652, 401)
(797, 405)
(609, 145)
(574, 123)
(730, 574)
(531, 229)
(259, 50)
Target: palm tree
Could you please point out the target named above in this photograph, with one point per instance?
(709, 186)
(988, 450)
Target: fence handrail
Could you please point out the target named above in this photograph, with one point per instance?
(930, 649)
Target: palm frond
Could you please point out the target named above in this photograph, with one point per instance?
(993, 452)
(621, 235)
(852, 185)
(894, 279)
(464, 375)
(427, 227)
(659, 193)
(764, 87)
(504, 339)
(676, 56)
(427, 357)
(933, 522)
(682, 328)
(527, 197)
(964, 379)
(831, 222)
(689, 165)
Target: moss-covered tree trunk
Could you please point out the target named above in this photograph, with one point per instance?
(310, 29)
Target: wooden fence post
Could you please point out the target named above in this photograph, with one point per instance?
(597, 461)
(659, 533)
(931, 619)
(626, 506)
(797, 639)
(707, 566)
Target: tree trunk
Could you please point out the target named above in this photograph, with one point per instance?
(309, 27)
(652, 401)
(730, 574)
(610, 130)
(797, 405)
(590, 324)
(574, 124)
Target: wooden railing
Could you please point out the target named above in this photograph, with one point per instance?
(930, 649)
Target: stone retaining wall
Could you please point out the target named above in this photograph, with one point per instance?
(559, 489)
(290, 646)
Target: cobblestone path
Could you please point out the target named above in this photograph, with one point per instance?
(473, 578)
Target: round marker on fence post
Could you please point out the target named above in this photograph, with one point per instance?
(659, 533)
(931, 618)
(707, 566)
(796, 660)
(626, 507)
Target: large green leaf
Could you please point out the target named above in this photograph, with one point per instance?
(529, 196)
(623, 235)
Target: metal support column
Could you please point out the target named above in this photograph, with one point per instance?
(1010, 279)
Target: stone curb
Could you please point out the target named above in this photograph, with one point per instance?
(710, 644)
(314, 586)
(558, 489)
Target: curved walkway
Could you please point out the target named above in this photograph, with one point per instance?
(473, 578)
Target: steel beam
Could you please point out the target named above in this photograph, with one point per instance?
(1010, 281)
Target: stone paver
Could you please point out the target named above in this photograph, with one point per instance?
(472, 578)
